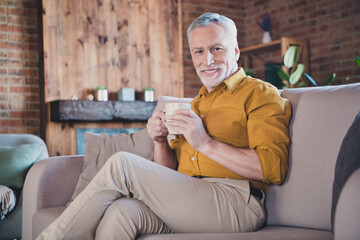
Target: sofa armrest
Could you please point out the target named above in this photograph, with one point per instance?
(347, 213)
(49, 183)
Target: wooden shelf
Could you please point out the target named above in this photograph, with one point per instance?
(97, 111)
(248, 53)
(259, 48)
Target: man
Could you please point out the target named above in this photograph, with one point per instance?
(233, 143)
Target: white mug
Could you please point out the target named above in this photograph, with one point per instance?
(170, 109)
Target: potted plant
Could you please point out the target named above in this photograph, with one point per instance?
(291, 76)
(101, 93)
(265, 25)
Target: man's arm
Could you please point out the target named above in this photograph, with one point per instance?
(157, 130)
(244, 162)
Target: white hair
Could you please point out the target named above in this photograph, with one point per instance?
(207, 18)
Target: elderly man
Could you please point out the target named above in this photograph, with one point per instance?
(233, 144)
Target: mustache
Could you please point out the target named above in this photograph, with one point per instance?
(209, 68)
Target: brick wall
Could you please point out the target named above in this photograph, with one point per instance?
(19, 71)
(332, 28)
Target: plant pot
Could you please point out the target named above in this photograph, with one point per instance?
(102, 95)
(266, 37)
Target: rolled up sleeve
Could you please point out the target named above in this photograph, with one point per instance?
(268, 132)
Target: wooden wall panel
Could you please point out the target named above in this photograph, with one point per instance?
(116, 43)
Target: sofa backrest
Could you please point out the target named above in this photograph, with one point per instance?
(320, 120)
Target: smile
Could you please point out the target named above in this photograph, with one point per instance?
(210, 72)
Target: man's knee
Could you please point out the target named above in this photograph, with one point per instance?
(123, 216)
(126, 208)
(127, 160)
(122, 158)
(120, 155)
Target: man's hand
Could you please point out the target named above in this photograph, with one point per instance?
(186, 122)
(156, 127)
(244, 162)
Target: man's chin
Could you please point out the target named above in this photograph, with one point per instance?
(211, 83)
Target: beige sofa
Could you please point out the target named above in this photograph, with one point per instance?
(300, 208)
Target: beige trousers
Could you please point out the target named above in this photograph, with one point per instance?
(131, 196)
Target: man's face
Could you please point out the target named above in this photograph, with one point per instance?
(214, 54)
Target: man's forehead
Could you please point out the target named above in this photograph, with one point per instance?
(214, 34)
(211, 28)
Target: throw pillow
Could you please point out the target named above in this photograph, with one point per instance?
(100, 147)
(7, 201)
(346, 163)
(15, 162)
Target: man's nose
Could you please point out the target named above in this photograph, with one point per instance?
(209, 58)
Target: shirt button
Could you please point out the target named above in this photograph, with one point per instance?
(202, 116)
(192, 159)
(224, 90)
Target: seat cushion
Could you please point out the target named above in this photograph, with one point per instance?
(44, 217)
(266, 233)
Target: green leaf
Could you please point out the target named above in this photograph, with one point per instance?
(310, 79)
(295, 76)
(101, 88)
(283, 75)
(148, 89)
(301, 84)
(290, 56)
(328, 82)
(286, 84)
(357, 59)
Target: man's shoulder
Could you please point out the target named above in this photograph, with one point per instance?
(254, 84)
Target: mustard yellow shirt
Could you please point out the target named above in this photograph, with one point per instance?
(246, 113)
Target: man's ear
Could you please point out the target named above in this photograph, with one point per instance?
(237, 53)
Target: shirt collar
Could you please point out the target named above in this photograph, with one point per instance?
(234, 80)
(231, 82)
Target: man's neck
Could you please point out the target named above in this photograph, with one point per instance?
(236, 68)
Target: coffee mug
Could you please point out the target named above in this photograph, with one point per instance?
(170, 109)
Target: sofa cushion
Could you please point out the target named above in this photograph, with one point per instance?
(266, 233)
(347, 162)
(100, 147)
(321, 118)
(16, 161)
(45, 216)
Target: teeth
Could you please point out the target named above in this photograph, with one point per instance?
(210, 71)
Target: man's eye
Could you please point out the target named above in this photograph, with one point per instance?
(217, 49)
(198, 51)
